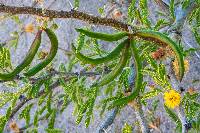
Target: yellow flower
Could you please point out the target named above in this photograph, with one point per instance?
(172, 99)
(29, 28)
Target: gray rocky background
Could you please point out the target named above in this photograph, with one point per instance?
(66, 34)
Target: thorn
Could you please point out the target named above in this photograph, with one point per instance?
(72, 7)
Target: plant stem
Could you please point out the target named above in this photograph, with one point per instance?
(64, 14)
(140, 117)
(181, 116)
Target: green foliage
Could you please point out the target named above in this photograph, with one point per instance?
(3, 121)
(157, 72)
(123, 79)
(80, 42)
(194, 17)
(144, 13)
(185, 4)
(173, 116)
(127, 128)
(33, 92)
(54, 26)
(191, 105)
(54, 130)
(196, 35)
(131, 11)
(151, 94)
(5, 61)
(36, 119)
(15, 39)
(52, 119)
(25, 114)
(87, 107)
(5, 97)
(76, 4)
(160, 23)
(16, 19)
(172, 9)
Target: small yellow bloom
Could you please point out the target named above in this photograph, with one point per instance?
(29, 28)
(172, 99)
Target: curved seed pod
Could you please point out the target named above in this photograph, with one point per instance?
(164, 40)
(49, 58)
(103, 36)
(104, 59)
(138, 68)
(119, 67)
(28, 59)
(138, 78)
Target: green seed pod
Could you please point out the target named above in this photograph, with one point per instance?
(49, 58)
(28, 59)
(138, 80)
(103, 36)
(164, 40)
(138, 70)
(112, 55)
(119, 67)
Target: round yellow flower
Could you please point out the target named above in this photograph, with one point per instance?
(172, 99)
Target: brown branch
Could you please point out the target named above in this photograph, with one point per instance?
(67, 77)
(65, 14)
(21, 104)
(162, 6)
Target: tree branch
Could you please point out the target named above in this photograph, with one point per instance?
(65, 14)
(53, 86)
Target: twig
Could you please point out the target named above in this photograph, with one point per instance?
(136, 105)
(181, 116)
(162, 6)
(65, 14)
(54, 85)
(181, 15)
(53, 73)
(22, 103)
(140, 117)
(25, 127)
(66, 51)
